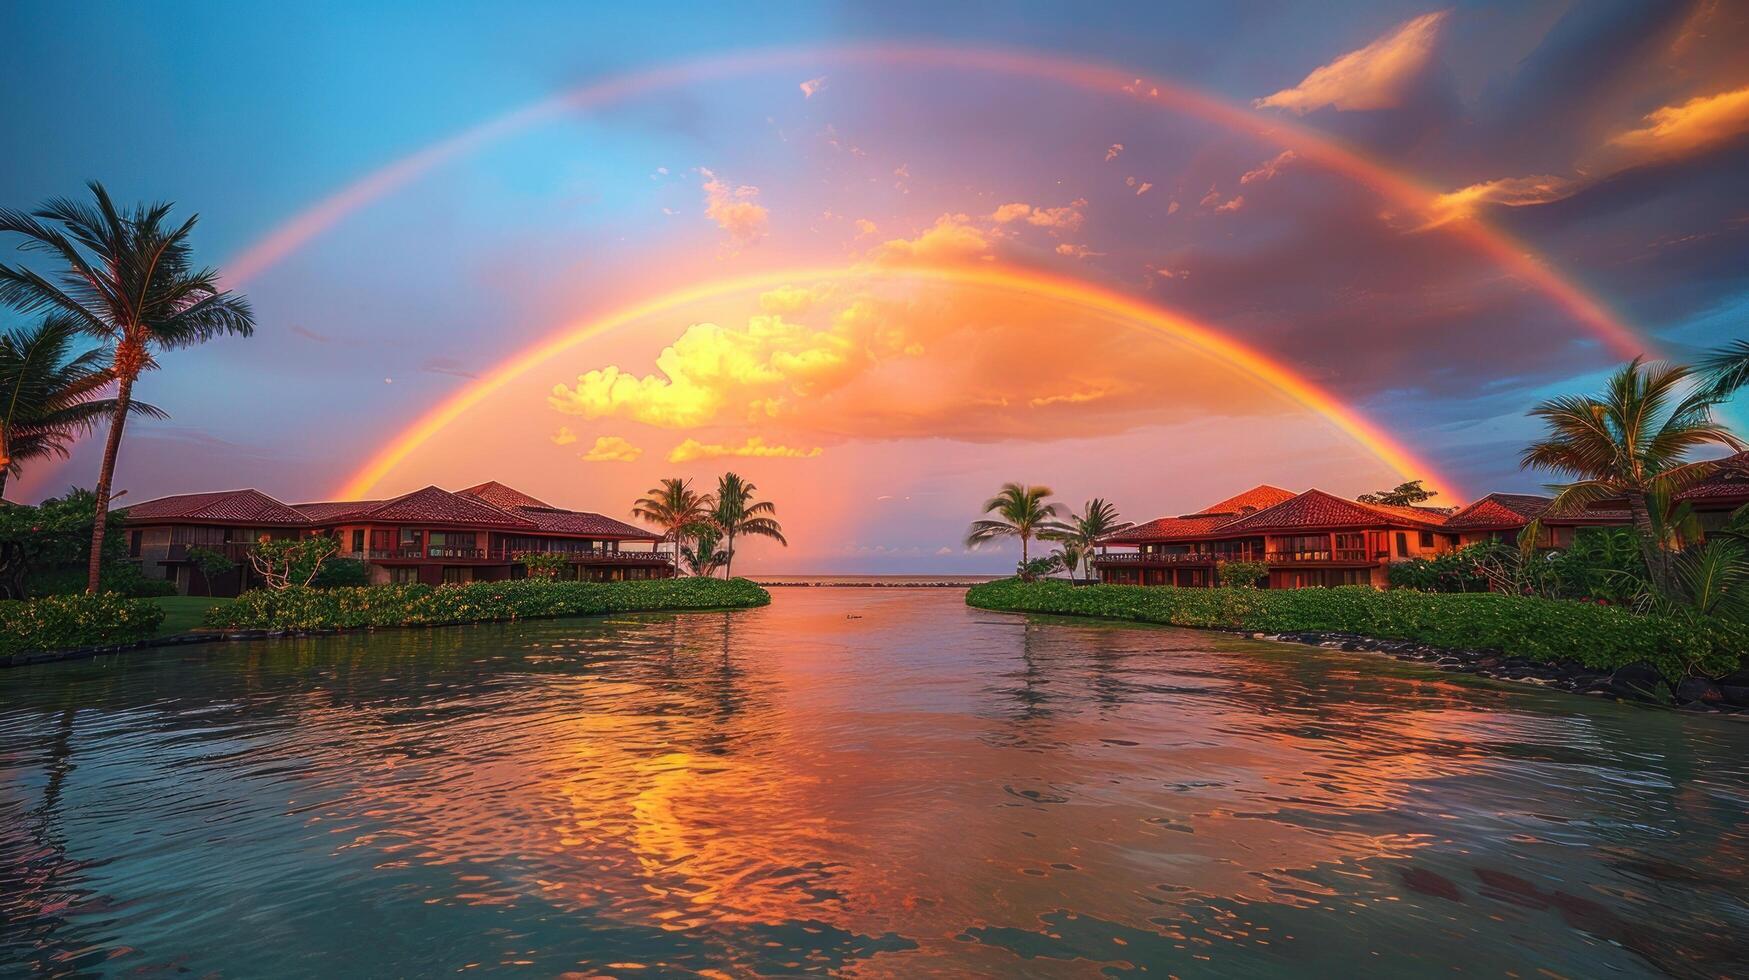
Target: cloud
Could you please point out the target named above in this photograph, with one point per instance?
(951, 239)
(1269, 168)
(1235, 204)
(447, 365)
(1065, 218)
(564, 437)
(1112, 151)
(1374, 77)
(1076, 251)
(1682, 130)
(755, 446)
(735, 209)
(612, 449)
(813, 85)
(1507, 191)
(865, 227)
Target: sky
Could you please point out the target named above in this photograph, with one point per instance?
(880, 258)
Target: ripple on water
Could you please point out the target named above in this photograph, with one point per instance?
(861, 781)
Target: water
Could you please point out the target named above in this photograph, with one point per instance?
(874, 781)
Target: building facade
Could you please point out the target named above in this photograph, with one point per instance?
(432, 536)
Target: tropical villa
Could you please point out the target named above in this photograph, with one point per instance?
(433, 536)
(1316, 538)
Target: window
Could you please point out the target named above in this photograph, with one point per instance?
(1426, 539)
(1402, 544)
(457, 576)
(358, 540)
(134, 541)
(404, 575)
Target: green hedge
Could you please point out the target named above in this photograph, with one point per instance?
(424, 605)
(65, 622)
(1600, 637)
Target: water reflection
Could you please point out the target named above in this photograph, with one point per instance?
(883, 783)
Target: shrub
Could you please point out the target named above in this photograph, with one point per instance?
(63, 622)
(299, 608)
(545, 564)
(337, 573)
(1243, 574)
(1600, 637)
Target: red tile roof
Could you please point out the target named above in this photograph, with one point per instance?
(1258, 497)
(1729, 481)
(324, 512)
(552, 520)
(1170, 529)
(1317, 509)
(1499, 511)
(434, 505)
(218, 507)
(507, 498)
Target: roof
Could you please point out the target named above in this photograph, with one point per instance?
(1255, 499)
(1317, 509)
(325, 511)
(1170, 529)
(507, 498)
(1499, 511)
(246, 506)
(434, 505)
(552, 520)
(1728, 481)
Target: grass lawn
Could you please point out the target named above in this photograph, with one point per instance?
(184, 612)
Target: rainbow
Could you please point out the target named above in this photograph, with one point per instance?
(1324, 150)
(1027, 281)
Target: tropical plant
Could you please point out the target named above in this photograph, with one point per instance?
(212, 564)
(734, 513)
(287, 562)
(1402, 495)
(1630, 442)
(1021, 512)
(544, 565)
(1033, 569)
(128, 279)
(1726, 369)
(704, 555)
(1081, 533)
(1711, 579)
(1242, 574)
(48, 395)
(672, 505)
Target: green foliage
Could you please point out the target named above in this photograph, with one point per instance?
(1243, 574)
(544, 565)
(291, 562)
(62, 622)
(1402, 495)
(1451, 571)
(340, 573)
(704, 554)
(1601, 637)
(1022, 512)
(211, 563)
(1036, 568)
(43, 548)
(423, 605)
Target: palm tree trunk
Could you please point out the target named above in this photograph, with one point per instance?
(1651, 549)
(124, 394)
(3, 474)
(729, 561)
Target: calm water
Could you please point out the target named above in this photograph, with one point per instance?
(878, 782)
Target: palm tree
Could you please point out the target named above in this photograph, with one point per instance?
(129, 280)
(704, 556)
(673, 505)
(47, 396)
(1631, 442)
(1727, 369)
(1021, 512)
(1081, 533)
(736, 514)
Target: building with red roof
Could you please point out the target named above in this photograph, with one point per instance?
(1316, 538)
(430, 535)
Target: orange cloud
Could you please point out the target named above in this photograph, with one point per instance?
(755, 446)
(1681, 130)
(1112, 151)
(812, 85)
(612, 449)
(953, 238)
(1066, 218)
(735, 209)
(564, 437)
(1373, 77)
(1235, 204)
(1076, 251)
(1507, 191)
(865, 227)
(1269, 168)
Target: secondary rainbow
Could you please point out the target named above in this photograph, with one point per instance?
(1197, 336)
(1327, 151)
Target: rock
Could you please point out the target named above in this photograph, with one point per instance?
(1734, 694)
(1698, 689)
(1638, 682)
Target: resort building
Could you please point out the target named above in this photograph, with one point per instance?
(1319, 539)
(432, 535)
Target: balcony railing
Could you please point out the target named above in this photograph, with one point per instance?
(1340, 556)
(506, 555)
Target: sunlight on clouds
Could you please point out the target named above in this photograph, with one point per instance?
(755, 446)
(1269, 168)
(953, 238)
(612, 449)
(1679, 130)
(812, 85)
(1507, 191)
(564, 437)
(1374, 77)
(1066, 218)
(734, 209)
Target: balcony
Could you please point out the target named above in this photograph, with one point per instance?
(505, 555)
(1340, 556)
